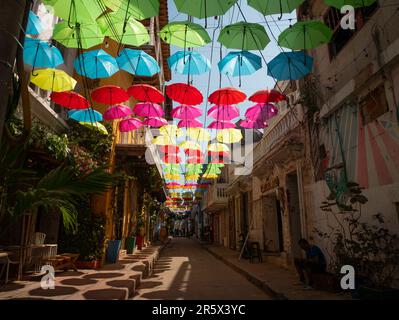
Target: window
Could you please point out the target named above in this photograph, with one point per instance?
(374, 104)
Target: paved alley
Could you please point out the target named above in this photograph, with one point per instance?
(186, 271)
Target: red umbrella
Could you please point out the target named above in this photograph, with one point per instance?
(70, 100)
(266, 96)
(145, 92)
(172, 158)
(193, 153)
(195, 160)
(223, 154)
(109, 95)
(169, 149)
(227, 96)
(184, 94)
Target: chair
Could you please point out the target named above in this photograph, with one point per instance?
(39, 238)
(255, 252)
(5, 258)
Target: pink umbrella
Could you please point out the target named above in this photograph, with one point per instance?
(148, 109)
(224, 112)
(155, 122)
(117, 112)
(190, 123)
(130, 124)
(186, 112)
(250, 124)
(195, 160)
(261, 112)
(221, 125)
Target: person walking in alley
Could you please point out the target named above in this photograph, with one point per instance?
(314, 262)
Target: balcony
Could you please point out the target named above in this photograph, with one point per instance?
(131, 143)
(215, 198)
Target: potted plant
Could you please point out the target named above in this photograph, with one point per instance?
(130, 244)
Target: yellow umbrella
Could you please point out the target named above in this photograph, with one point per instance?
(171, 176)
(229, 135)
(218, 147)
(199, 134)
(191, 145)
(95, 125)
(163, 141)
(171, 130)
(192, 176)
(53, 80)
(210, 176)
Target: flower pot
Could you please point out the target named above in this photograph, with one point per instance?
(139, 241)
(369, 293)
(130, 244)
(113, 250)
(95, 264)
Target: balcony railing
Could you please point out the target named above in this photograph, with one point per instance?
(136, 137)
(216, 197)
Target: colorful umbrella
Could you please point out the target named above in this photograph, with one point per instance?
(305, 35)
(35, 26)
(184, 94)
(250, 124)
(189, 62)
(190, 123)
(353, 3)
(171, 159)
(129, 32)
(53, 80)
(240, 63)
(138, 9)
(269, 7)
(130, 124)
(163, 141)
(218, 147)
(221, 154)
(198, 134)
(109, 94)
(204, 8)
(171, 131)
(155, 122)
(70, 100)
(40, 54)
(148, 109)
(186, 112)
(193, 168)
(261, 112)
(117, 112)
(137, 62)
(218, 125)
(195, 160)
(224, 112)
(95, 126)
(193, 152)
(169, 149)
(244, 36)
(172, 176)
(86, 115)
(192, 177)
(95, 64)
(229, 135)
(184, 34)
(227, 96)
(172, 168)
(146, 92)
(82, 36)
(290, 65)
(189, 145)
(266, 96)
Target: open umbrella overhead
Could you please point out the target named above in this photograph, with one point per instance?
(155, 122)
(138, 9)
(190, 145)
(146, 92)
(172, 168)
(95, 64)
(261, 112)
(269, 7)
(204, 8)
(267, 96)
(169, 149)
(53, 80)
(250, 124)
(171, 130)
(148, 109)
(290, 65)
(244, 36)
(40, 54)
(218, 147)
(219, 125)
(227, 96)
(35, 25)
(130, 124)
(86, 115)
(95, 126)
(224, 112)
(229, 135)
(109, 94)
(163, 140)
(171, 159)
(184, 34)
(198, 134)
(305, 35)
(70, 100)
(137, 62)
(184, 94)
(84, 35)
(189, 62)
(117, 112)
(240, 63)
(190, 123)
(186, 112)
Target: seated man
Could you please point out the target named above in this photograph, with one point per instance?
(315, 262)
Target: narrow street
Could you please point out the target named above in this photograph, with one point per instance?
(186, 271)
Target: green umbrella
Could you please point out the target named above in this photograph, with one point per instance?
(193, 168)
(354, 3)
(172, 168)
(267, 7)
(130, 32)
(79, 35)
(138, 9)
(212, 169)
(244, 36)
(204, 8)
(184, 34)
(305, 35)
(72, 11)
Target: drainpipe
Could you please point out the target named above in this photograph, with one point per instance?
(301, 200)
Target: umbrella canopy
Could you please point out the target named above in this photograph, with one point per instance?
(192, 176)
(261, 112)
(148, 109)
(184, 94)
(172, 176)
(193, 152)
(109, 94)
(40, 54)
(222, 154)
(240, 63)
(171, 159)
(163, 141)
(137, 62)
(218, 125)
(227, 96)
(86, 115)
(190, 123)
(212, 169)
(53, 80)
(250, 124)
(190, 145)
(184, 34)
(195, 160)
(218, 147)
(290, 65)
(35, 26)
(193, 168)
(266, 96)
(186, 112)
(155, 122)
(189, 62)
(130, 124)
(224, 112)
(305, 35)
(95, 64)
(117, 112)
(70, 100)
(244, 36)
(171, 131)
(95, 126)
(172, 168)
(198, 134)
(229, 135)
(146, 92)
(169, 149)
(268, 7)
(130, 32)
(79, 35)
(354, 3)
(138, 9)
(204, 8)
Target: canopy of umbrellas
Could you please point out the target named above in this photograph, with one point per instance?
(85, 24)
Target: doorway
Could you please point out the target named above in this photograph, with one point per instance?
(244, 213)
(272, 226)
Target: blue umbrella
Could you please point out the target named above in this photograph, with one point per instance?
(95, 64)
(41, 54)
(35, 26)
(290, 65)
(86, 115)
(137, 62)
(189, 62)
